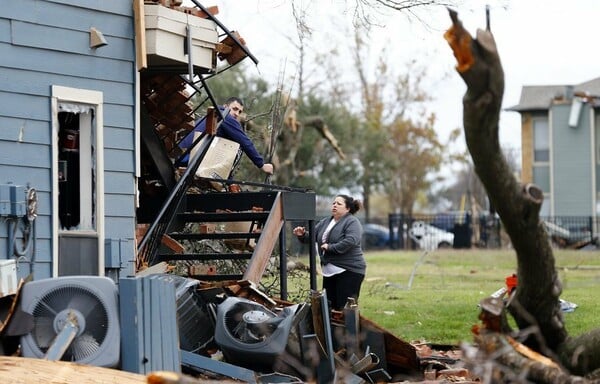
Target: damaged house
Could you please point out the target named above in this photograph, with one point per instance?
(96, 96)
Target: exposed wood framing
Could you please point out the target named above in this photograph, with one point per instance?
(140, 35)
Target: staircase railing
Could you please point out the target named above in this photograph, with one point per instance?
(147, 248)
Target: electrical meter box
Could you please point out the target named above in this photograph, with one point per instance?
(4, 200)
(13, 200)
(18, 201)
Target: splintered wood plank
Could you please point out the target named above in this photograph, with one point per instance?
(266, 243)
(399, 353)
(166, 240)
(28, 370)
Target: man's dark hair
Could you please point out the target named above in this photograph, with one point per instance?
(232, 99)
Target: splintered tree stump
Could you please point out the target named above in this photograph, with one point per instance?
(535, 306)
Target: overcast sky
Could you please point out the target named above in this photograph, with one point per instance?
(541, 42)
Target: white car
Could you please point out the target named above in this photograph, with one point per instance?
(430, 237)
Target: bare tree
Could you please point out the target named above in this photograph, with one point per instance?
(535, 306)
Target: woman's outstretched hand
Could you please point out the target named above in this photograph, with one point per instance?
(299, 231)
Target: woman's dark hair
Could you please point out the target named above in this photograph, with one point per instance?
(351, 203)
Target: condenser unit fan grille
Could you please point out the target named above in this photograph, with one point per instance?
(52, 312)
(251, 335)
(248, 322)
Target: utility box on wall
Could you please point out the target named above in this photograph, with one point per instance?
(4, 200)
(18, 200)
(114, 249)
(13, 200)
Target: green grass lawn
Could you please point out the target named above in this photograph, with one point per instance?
(433, 298)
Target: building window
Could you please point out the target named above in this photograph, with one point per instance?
(78, 182)
(541, 141)
(77, 173)
(541, 154)
(597, 136)
(541, 177)
(545, 208)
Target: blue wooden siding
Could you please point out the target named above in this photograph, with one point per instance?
(118, 138)
(111, 15)
(35, 132)
(117, 160)
(120, 183)
(24, 154)
(39, 176)
(117, 115)
(119, 205)
(76, 66)
(46, 43)
(571, 159)
(34, 82)
(4, 31)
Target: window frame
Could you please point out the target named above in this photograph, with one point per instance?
(95, 100)
(535, 140)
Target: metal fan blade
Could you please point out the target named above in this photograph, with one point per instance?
(84, 346)
(239, 329)
(43, 331)
(83, 303)
(45, 308)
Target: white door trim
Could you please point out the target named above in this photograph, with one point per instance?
(94, 99)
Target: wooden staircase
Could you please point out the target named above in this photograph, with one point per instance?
(210, 216)
(186, 218)
(175, 96)
(173, 99)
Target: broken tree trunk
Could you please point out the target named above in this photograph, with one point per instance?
(535, 306)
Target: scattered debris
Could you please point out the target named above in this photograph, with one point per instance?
(231, 330)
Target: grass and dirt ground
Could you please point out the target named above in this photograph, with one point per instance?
(433, 298)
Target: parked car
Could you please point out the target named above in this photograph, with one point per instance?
(565, 237)
(429, 237)
(375, 236)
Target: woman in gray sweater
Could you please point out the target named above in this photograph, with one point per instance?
(342, 261)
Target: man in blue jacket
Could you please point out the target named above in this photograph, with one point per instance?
(230, 129)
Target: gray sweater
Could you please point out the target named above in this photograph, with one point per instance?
(344, 243)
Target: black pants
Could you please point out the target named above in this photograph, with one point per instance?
(342, 286)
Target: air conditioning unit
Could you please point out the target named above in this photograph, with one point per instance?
(250, 335)
(8, 277)
(88, 302)
(194, 321)
(166, 35)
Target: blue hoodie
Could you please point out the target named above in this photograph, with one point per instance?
(229, 129)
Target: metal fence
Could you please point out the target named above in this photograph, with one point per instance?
(573, 231)
(462, 230)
